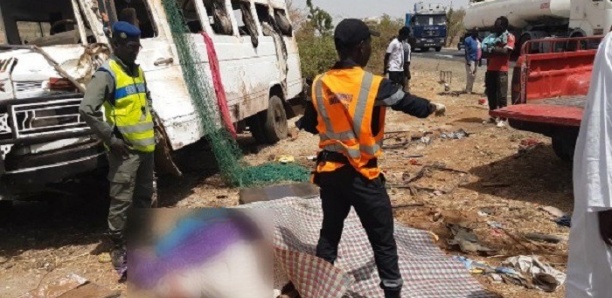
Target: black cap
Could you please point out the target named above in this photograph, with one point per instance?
(350, 32)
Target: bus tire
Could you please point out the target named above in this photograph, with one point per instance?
(255, 124)
(276, 127)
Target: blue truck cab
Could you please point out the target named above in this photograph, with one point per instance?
(428, 24)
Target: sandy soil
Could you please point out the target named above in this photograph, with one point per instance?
(40, 242)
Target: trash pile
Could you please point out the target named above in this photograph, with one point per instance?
(526, 271)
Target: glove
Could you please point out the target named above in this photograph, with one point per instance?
(438, 109)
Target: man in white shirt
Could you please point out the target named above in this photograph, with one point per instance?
(407, 56)
(589, 272)
(395, 58)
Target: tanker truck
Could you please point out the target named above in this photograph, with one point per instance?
(538, 19)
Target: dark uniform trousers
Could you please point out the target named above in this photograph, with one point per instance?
(496, 84)
(344, 188)
(131, 185)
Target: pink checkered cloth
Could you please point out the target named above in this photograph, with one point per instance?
(426, 270)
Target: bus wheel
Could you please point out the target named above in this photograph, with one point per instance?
(276, 127)
(255, 124)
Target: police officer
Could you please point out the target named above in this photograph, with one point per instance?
(127, 132)
(347, 111)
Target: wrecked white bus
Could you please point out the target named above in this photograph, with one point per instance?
(50, 49)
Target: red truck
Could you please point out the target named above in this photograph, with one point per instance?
(550, 83)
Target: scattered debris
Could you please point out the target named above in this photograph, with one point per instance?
(466, 240)
(495, 225)
(543, 237)
(312, 158)
(496, 278)
(543, 276)
(285, 159)
(564, 220)
(457, 135)
(483, 101)
(71, 286)
(559, 216)
(104, 258)
(474, 267)
(528, 145)
(426, 140)
(552, 211)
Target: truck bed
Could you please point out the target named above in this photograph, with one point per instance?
(564, 111)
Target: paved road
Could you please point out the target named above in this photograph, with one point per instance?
(445, 54)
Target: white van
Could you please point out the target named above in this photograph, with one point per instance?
(50, 49)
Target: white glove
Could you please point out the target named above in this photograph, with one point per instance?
(438, 108)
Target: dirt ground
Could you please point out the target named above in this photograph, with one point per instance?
(491, 181)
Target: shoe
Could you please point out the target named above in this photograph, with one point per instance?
(393, 294)
(501, 123)
(119, 261)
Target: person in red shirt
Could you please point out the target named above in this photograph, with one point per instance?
(496, 77)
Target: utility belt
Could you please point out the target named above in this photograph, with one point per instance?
(331, 156)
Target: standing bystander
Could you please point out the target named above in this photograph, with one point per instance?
(471, 59)
(497, 48)
(395, 57)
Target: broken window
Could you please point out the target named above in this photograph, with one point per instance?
(40, 22)
(280, 16)
(138, 13)
(263, 14)
(33, 30)
(217, 17)
(190, 14)
(246, 22)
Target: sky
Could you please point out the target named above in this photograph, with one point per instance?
(339, 9)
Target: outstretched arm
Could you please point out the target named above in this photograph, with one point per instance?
(393, 96)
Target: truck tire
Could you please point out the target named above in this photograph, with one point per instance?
(255, 124)
(564, 145)
(438, 49)
(425, 49)
(276, 127)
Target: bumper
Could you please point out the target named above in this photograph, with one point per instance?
(28, 172)
(430, 43)
(542, 113)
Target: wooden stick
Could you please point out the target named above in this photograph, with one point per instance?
(496, 185)
(56, 66)
(409, 205)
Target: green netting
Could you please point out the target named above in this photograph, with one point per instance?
(224, 147)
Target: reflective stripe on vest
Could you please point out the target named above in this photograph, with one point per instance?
(347, 130)
(129, 111)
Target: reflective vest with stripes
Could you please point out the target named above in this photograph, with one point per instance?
(344, 100)
(129, 111)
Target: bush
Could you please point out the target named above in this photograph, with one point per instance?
(317, 55)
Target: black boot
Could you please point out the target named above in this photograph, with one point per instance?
(393, 293)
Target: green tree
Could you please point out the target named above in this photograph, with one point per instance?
(454, 19)
(320, 19)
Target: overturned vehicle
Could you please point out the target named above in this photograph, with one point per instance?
(49, 51)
